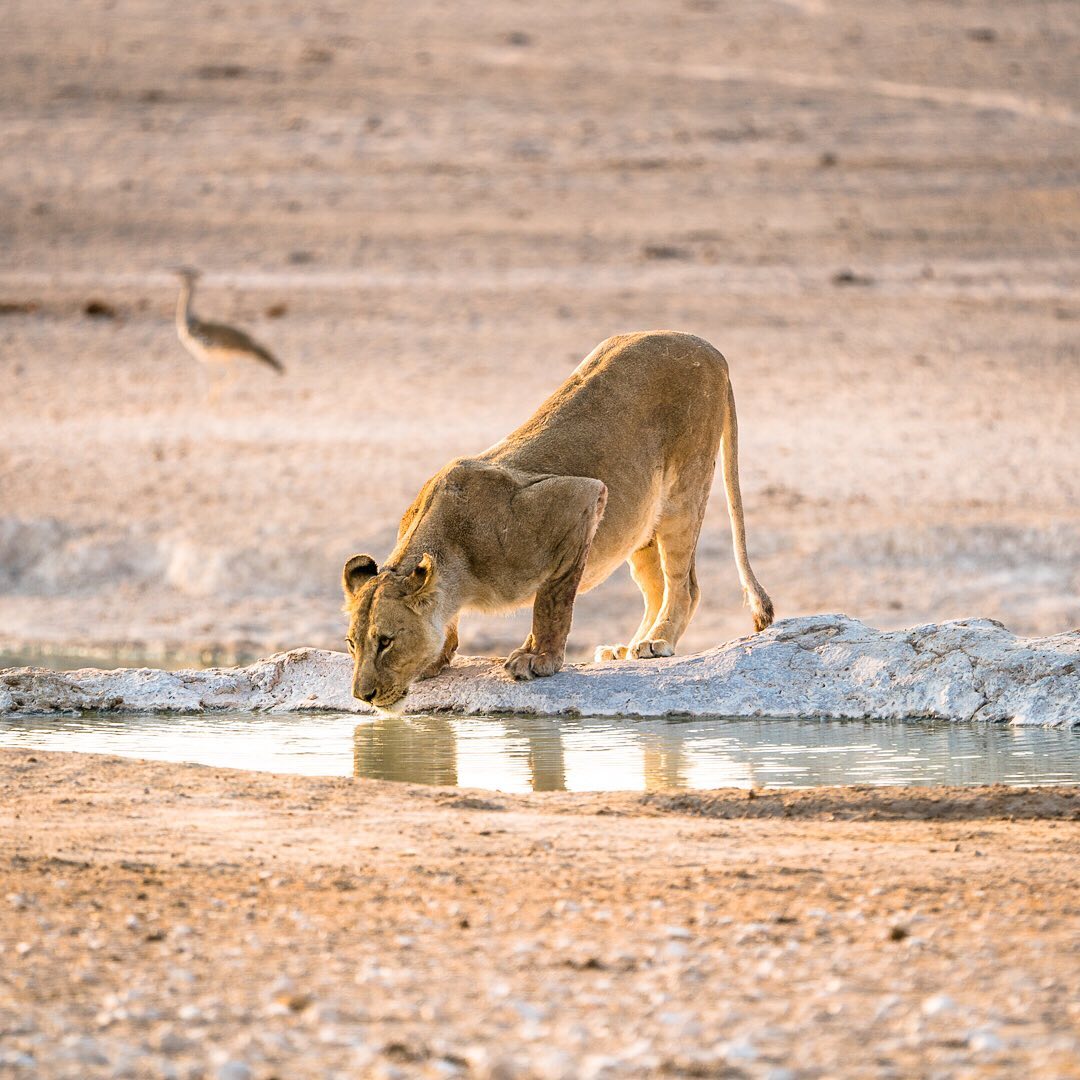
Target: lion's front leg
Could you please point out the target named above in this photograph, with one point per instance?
(581, 500)
(450, 645)
(544, 649)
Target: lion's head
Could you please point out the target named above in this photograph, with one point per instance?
(394, 628)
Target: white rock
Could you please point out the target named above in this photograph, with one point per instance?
(985, 1041)
(740, 1050)
(86, 1051)
(16, 1059)
(233, 1070)
(820, 665)
(938, 1005)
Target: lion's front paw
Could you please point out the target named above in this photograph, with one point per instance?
(644, 650)
(609, 652)
(523, 665)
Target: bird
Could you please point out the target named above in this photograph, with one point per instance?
(215, 345)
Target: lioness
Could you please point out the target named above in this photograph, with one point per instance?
(615, 465)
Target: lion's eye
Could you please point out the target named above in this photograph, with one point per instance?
(385, 643)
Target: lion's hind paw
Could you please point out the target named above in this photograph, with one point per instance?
(609, 652)
(645, 650)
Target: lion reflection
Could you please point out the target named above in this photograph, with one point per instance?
(416, 750)
(424, 750)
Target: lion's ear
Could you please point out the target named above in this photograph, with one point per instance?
(422, 580)
(358, 571)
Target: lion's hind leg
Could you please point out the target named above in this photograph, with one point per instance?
(676, 536)
(648, 575)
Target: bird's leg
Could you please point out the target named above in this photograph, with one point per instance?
(212, 388)
(231, 375)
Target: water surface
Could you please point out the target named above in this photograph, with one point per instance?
(575, 754)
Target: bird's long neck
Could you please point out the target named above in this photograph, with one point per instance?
(183, 306)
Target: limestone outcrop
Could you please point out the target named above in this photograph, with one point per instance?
(822, 665)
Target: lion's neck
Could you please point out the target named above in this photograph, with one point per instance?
(451, 574)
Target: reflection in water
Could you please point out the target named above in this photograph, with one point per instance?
(664, 764)
(422, 750)
(593, 754)
(578, 754)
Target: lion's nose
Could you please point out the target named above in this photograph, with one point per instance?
(361, 695)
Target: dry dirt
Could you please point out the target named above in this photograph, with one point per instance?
(433, 211)
(164, 920)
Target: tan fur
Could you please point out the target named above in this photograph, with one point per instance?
(615, 466)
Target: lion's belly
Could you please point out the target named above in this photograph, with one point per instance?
(628, 524)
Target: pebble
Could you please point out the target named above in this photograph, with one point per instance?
(16, 1059)
(740, 1050)
(87, 1051)
(172, 1042)
(233, 1070)
(528, 1011)
(938, 1005)
(985, 1041)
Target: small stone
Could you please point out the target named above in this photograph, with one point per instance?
(16, 1059)
(87, 1051)
(985, 1041)
(679, 932)
(527, 1011)
(99, 309)
(233, 1070)
(172, 1043)
(847, 276)
(740, 1050)
(938, 1005)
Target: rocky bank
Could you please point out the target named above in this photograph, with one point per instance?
(826, 665)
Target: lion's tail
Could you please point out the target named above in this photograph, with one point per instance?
(756, 596)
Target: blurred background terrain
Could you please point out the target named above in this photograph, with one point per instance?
(431, 212)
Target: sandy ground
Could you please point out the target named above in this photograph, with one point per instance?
(180, 921)
(433, 212)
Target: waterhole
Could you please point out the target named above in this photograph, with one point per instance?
(578, 754)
